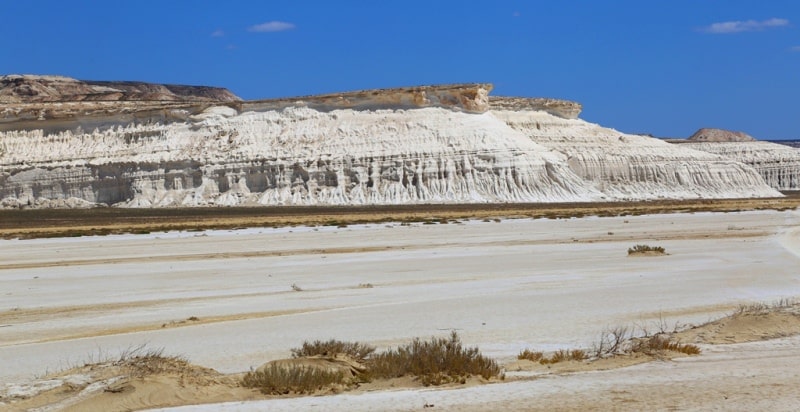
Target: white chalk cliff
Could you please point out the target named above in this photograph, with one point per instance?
(778, 164)
(635, 167)
(412, 145)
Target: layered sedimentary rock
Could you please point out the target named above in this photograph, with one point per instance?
(556, 107)
(625, 166)
(778, 164)
(472, 98)
(292, 156)
(55, 103)
(407, 145)
(54, 89)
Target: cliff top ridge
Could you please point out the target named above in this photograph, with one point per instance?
(45, 89)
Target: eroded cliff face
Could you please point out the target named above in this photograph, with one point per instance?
(54, 89)
(407, 145)
(471, 98)
(778, 164)
(292, 156)
(555, 107)
(627, 166)
(55, 104)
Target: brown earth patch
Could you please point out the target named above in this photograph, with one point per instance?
(38, 223)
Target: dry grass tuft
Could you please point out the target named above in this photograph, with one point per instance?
(434, 362)
(530, 355)
(356, 350)
(141, 362)
(277, 380)
(660, 343)
(563, 355)
(641, 249)
(760, 308)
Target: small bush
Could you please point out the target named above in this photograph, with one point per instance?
(645, 249)
(358, 351)
(563, 355)
(659, 343)
(612, 342)
(277, 380)
(760, 308)
(141, 361)
(437, 361)
(532, 356)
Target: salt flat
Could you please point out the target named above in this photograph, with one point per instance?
(504, 286)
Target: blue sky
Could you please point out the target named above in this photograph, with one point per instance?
(660, 67)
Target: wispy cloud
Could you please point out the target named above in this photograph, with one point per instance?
(271, 26)
(728, 27)
(795, 49)
(218, 33)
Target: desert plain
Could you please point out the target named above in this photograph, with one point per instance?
(233, 299)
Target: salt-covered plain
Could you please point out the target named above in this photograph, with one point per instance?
(504, 286)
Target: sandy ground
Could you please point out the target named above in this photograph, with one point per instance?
(521, 283)
(742, 377)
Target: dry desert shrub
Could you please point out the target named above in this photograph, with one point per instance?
(660, 343)
(356, 350)
(530, 355)
(141, 361)
(434, 362)
(278, 380)
(760, 308)
(563, 355)
(639, 249)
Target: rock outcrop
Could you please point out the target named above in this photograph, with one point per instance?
(720, 135)
(625, 166)
(556, 107)
(40, 89)
(292, 156)
(55, 104)
(406, 145)
(472, 98)
(778, 164)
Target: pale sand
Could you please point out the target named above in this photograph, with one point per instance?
(543, 284)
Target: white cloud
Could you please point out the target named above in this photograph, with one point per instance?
(516, 14)
(728, 27)
(795, 49)
(218, 33)
(271, 26)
